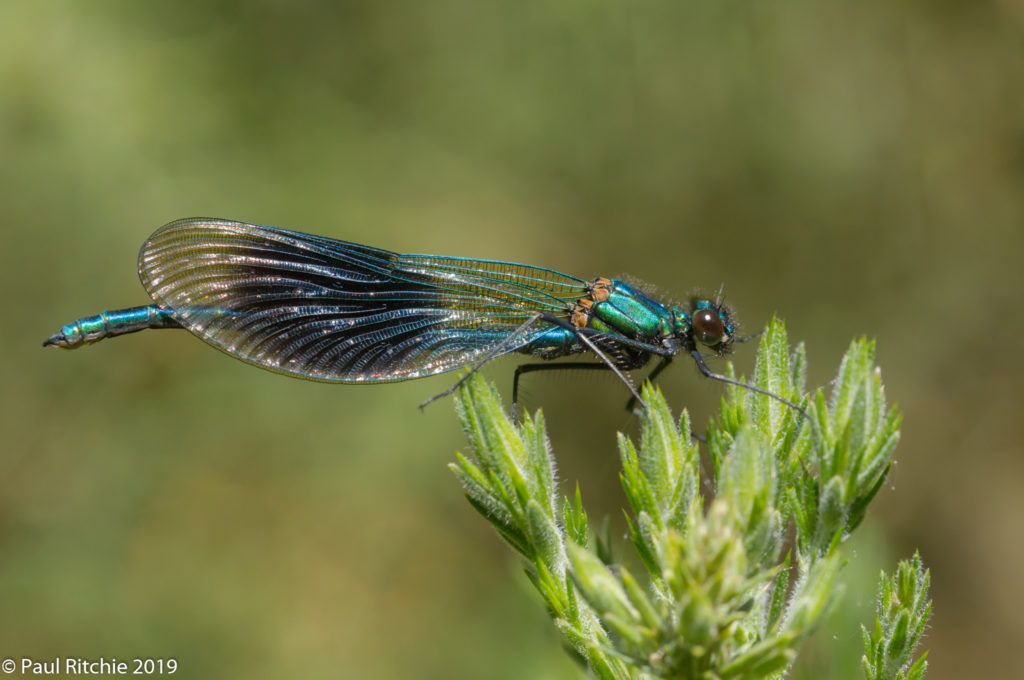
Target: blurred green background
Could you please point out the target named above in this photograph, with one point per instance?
(856, 168)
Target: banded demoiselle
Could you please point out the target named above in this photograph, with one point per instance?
(322, 309)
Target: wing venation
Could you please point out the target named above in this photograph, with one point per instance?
(324, 309)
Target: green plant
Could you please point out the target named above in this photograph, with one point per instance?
(736, 581)
(903, 613)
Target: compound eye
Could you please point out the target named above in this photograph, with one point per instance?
(708, 327)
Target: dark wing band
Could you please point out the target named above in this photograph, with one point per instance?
(324, 309)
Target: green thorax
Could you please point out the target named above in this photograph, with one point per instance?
(630, 312)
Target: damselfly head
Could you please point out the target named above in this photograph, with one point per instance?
(712, 326)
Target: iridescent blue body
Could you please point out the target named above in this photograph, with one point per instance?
(322, 309)
(106, 324)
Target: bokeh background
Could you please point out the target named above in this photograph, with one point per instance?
(854, 167)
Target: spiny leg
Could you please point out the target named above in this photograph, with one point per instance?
(708, 373)
(532, 368)
(665, 361)
(584, 335)
(662, 365)
(615, 369)
(698, 358)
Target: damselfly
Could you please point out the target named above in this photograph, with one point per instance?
(322, 309)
